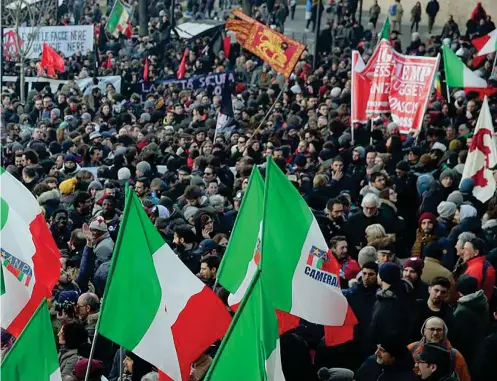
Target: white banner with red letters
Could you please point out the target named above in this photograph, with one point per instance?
(392, 83)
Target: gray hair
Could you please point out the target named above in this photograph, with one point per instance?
(91, 299)
(216, 201)
(465, 237)
(152, 376)
(370, 198)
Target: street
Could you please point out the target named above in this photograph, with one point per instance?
(296, 28)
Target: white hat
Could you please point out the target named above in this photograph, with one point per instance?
(98, 223)
(439, 146)
(335, 92)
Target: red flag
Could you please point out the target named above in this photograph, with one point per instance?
(182, 66)
(478, 43)
(51, 60)
(227, 46)
(339, 335)
(109, 61)
(145, 71)
(128, 32)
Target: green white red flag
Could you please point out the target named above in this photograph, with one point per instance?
(165, 330)
(29, 255)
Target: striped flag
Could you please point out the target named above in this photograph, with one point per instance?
(29, 255)
(118, 19)
(165, 329)
(33, 355)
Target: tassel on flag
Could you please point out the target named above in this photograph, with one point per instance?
(182, 66)
(145, 71)
(51, 60)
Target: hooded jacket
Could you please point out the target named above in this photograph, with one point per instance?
(471, 319)
(460, 366)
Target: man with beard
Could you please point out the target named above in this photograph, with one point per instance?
(61, 230)
(208, 270)
(333, 225)
(436, 305)
(413, 268)
(82, 208)
(424, 234)
(349, 267)
(184, 239)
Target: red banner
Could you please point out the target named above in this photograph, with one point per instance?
(279, 51)
(392, 83)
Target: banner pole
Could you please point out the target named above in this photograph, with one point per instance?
(268, 112)
(493, 66)
(371, 132)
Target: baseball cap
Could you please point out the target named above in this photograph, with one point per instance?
(205, 246)
(94, 135)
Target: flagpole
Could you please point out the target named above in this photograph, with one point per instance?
(121, 362)
(117, 247)
(448, 89)
(493, 66)
(92, 352)
(269, 111)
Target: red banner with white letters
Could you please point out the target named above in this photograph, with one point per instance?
(392, 83)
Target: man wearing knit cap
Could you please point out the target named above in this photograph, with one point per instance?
(393, 312)
(390, 362)
(424, 234)
(413, 268)
(446, 211)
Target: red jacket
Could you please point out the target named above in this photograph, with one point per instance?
(476, 270)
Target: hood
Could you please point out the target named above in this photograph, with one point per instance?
(476, 302)
(389, 203)
(77, 168)
(424, 183)
(51, 196)
(489, 224)
(380, 242)
(459, 168)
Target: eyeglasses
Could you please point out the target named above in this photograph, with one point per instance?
(208, 173)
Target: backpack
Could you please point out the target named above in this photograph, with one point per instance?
(453, 353)
(393, 9)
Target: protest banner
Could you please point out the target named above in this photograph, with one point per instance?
(85, 84)
(410, 89)
(212, 82)
(392, 83)
(65, 39)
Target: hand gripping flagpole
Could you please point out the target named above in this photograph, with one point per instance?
(92, 352)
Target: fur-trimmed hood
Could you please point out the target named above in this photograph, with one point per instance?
(381, 242)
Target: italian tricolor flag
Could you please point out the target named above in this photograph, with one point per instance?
(118, 19)
(290, 234)
(29, 255)
(459, 75)
(33, 355)
(276, 230)
(165, 329)
(250, 350)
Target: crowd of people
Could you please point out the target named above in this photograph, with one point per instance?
(417, 250)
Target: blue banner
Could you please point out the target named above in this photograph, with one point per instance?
(212, 82)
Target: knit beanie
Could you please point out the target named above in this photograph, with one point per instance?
(361, 151)
(95, 184)
(390, 273)
(466, 211)
(467, 185)
(393, 345)
(446, 209)
(447, 173)
(455, 145)
(456, 198)
(68, 186)
(366, 254)
(416, 264)
(427, 216)
(335, 374)
(144, 167)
